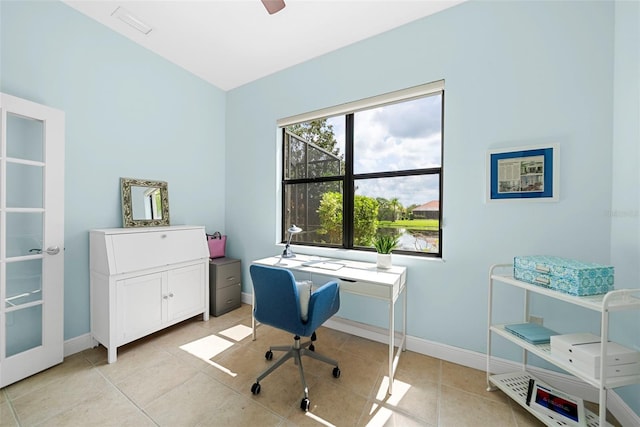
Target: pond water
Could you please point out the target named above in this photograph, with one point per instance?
(414, 240)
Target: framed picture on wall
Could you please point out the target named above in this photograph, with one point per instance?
(523, 173)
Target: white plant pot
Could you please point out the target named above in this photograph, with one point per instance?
(384, 261)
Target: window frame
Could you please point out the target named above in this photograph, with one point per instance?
(349, 178)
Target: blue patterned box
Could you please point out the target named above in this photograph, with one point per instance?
(564, 275)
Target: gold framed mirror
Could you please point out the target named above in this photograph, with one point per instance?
(145, 203)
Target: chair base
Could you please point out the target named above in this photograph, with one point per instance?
(296, 352)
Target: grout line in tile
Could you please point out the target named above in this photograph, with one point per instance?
(10, 405)
(141, 410)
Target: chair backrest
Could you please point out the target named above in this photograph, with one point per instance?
(276, 298)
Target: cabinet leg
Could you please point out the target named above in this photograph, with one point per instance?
(112, 354)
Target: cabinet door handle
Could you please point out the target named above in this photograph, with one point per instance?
(165, 296)
(171, 294)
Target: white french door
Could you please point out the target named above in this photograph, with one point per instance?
(31, 238)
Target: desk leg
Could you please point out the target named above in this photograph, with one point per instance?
(392, 334)
(404, 320)
(394, 356)
(253, 319)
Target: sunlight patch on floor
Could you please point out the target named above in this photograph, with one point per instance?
(238, 332)
(382, 414)
(319, 420)
(207, 348)
(381, 417)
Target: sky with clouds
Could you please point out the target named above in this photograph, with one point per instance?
(397, 137)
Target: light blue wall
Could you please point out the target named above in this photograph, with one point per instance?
(516, 73)
(129, 113)
(625, 205)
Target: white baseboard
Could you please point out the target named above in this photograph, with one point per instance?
(246, 298)
(472, 359)
(78, 344)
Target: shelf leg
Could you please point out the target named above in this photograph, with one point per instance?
(604, 339)
(489, 307)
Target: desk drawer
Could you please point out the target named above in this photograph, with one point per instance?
(140, 251)
(365, 288)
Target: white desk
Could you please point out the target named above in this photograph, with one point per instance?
(360, 278)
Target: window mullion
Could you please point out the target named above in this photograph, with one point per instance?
(348, 186)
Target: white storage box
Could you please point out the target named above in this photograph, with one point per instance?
(609, 370)
(583, 351)
(562, 346)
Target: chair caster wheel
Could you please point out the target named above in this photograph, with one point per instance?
(336, 372)
(305, 404)
(255, 388)
(313, 336)
(312, 347)
(268, 355)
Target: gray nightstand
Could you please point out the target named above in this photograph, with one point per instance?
(224, 285)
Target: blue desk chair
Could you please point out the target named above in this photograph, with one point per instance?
(277, 304)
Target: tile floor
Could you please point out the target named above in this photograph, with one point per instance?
(200, 374)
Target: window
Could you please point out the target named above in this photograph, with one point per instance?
(364, 169)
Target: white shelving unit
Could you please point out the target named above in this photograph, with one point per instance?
(515, 384)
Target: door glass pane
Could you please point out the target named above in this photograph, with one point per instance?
(24, 186)
(24, 329)
(24, 233)
(25, 138)
(24, 282)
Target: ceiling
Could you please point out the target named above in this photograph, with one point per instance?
(233, 42)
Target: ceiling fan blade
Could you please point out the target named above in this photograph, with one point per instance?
(273, 6)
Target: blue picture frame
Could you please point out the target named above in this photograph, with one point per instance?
(526, 173)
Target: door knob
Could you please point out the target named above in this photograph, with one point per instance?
(53, 250)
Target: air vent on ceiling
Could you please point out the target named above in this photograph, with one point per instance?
(126, 17)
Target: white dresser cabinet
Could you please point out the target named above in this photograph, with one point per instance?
(145, 279)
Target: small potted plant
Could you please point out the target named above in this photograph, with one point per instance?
(384, 245)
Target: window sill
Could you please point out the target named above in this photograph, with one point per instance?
(354, 255)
